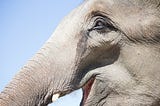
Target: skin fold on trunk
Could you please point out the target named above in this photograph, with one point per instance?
(34, 85)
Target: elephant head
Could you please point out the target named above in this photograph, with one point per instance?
(109, 48)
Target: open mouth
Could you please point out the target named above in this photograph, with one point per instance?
(86, 91)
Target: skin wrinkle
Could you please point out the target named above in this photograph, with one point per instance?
(40, 68)
(101, 94)
(50, 84)
(102, 100)
(28, 84)
(8, 96)
(25, 83)
(142, 39)
(39, 96)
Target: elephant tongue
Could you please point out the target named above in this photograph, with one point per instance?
(86, 90)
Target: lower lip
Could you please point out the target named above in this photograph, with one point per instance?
(86, 90)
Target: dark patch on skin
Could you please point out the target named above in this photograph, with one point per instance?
(82, 44)
(88, 59)
(158, 5)
(103, 57)
(80, 52)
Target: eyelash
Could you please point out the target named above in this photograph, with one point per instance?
(102, 25)
(99, 24)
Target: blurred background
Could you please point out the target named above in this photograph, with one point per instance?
(25, 25)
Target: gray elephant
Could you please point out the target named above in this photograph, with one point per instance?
(109, 48)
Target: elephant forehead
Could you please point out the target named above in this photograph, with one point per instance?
(132, 17)
(71, 26)
(73, 23)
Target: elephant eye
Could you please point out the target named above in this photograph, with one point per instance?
(102, 25)
(99, 24)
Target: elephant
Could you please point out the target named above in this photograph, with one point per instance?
(109, 48)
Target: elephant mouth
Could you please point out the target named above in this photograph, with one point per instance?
(86, 91)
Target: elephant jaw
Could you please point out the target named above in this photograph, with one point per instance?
(86, 90)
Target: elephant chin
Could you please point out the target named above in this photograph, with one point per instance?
(95, 90)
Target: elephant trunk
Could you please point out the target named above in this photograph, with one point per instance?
(37, 81)
(51, 71)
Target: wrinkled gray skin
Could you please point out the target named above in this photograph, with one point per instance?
(115, 41)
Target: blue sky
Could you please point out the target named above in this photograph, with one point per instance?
(24, 27)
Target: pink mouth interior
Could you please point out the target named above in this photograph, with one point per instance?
(86, 90)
